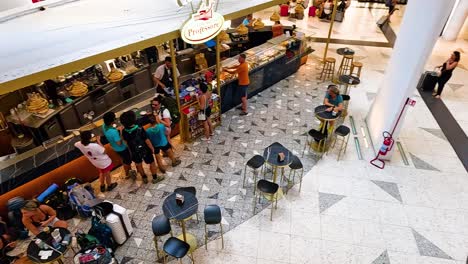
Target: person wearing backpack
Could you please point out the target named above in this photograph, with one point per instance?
(97, 155)
(139, 145)
(113, 134)
(163, 115)
(156, 134)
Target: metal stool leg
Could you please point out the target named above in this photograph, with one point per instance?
(302, 176)
(206, 238)
(156, 245)
(222, 238)
(245, 171)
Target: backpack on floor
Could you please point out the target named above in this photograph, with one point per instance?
(82, 199)
(15, 216)
(98, 254)
(102, 232)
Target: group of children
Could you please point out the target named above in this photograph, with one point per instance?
(132, 143)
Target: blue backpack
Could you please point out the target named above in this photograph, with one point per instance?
(102, 232)
(82, 199)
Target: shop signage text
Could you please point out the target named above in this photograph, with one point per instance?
(204, 25)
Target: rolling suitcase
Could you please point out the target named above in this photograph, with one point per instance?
(428, 81)
(312, 11)
(284, 10)
(117, 219)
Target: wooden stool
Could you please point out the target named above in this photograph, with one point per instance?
(345, 65)
(328, 70)
(358, 65)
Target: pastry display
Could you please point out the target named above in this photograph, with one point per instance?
(242, 29)
(201, 61)
(223, 36)
(275, 17)
(258, 24)
(77, 89)
(299, 9)
(115, 75)
(37, 104)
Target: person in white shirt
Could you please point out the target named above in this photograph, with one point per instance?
(96, 154)
(162, 77)
(162, 116)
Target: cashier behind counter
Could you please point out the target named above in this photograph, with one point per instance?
(162, 78)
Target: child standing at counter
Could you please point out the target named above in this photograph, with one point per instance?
(96, 154)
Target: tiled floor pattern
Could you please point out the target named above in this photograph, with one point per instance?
(281, 113)
(351, 212)
(347, 211)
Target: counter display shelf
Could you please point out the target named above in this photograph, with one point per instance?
(194, 128)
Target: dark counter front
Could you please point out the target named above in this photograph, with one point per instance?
(260, 79)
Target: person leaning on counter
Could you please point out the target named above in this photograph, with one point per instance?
(242, 71)
(162, 77)
(248, 20)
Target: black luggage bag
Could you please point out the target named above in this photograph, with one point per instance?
(428, 81)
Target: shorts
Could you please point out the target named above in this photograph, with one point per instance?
(208, 111)
(107, 169)
(163, 148)
(147, 158)
(243, 90)
(125, 156)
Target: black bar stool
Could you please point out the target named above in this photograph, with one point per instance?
(317, 136)
(343, 132)
(346, 99)
(161, 227)
(295, 165)
(254, 163)
(270, 188)
(213, 217)
(176, 248)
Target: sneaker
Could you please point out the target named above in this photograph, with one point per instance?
(145, 180)
(243, 113)
(162, 170)
(205, 139)
(103, 188)
(111, 186)
(157, 179)
(212, 134)
(176, 163)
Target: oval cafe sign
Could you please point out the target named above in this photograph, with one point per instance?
(204, 25)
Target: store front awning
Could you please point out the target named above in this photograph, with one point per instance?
(77, 35)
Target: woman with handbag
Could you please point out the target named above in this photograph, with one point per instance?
(205, 111)
(446, 70)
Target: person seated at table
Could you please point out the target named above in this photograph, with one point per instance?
(333, 99)
(248, 20)
(36, 216)
(7, 244)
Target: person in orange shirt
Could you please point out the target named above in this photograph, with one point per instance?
(242, 71)
(277, 29)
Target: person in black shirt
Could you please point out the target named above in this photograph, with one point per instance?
(139, 144)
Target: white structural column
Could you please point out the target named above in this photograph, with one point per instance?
(422, 23)
(456, 21)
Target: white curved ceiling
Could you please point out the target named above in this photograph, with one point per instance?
(84, 28)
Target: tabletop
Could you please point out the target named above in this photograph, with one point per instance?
(270, 154)
(349, 79)
(322, 114)
(173, 211)
(33, 250)
(345, 51)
